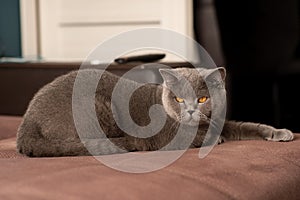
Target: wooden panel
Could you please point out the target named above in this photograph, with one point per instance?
(29, 28)
(78, 42)
(110, 11)
(19, 82)
(70, 29)
(18, 85)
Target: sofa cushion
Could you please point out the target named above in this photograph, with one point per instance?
(233, 170)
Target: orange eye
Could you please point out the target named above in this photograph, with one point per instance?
(179, 100)
(202, 99)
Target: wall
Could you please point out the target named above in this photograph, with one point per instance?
(10, 39)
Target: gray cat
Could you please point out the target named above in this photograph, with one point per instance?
(48, 127)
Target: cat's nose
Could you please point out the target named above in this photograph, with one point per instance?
(190, 112)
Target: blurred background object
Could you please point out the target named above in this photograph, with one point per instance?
(260, 48)
(68, 30)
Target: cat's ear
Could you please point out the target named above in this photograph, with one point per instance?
(169, 76)
(217, 73)
(215, 77)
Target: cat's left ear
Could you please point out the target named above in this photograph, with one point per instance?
(215, 77)
(217, 73)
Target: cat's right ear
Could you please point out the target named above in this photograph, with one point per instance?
(169, 76)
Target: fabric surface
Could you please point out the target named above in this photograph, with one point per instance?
(9, 126)
(233, 170)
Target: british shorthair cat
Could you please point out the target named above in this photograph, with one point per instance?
(48, 127)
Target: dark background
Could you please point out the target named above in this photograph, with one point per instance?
(259, 41)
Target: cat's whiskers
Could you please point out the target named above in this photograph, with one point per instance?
(214, 124)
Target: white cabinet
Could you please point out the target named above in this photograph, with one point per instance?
(70, 29)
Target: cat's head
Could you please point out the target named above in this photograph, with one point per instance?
(186, 97)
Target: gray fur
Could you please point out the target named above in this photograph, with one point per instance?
(48, 127)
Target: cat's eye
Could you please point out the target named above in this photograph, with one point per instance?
(179, 100)
(202, 99)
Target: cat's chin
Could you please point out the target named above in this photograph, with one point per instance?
(191, 123)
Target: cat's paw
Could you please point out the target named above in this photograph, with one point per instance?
(281, 135)
(221, 140)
